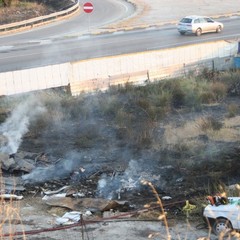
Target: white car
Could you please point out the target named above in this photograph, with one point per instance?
(198, 25)
(223, 218)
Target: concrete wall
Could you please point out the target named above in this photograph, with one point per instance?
(137, 68)
(100, 73)
(34, 79)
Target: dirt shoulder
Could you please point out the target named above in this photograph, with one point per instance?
(37, 221)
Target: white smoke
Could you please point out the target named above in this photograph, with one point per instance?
(64, 168)
(108, 186)
(17, 124)
(137, 170)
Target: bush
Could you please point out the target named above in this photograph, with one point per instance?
(178, 96)
(231, 79)
(123, 119)
(232, 110)
(207, 97)
(209, 123)
(219, 90)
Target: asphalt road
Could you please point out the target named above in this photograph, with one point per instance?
(60, 42)
(104, 13)
(53, 51)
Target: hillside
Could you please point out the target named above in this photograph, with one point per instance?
(23, 10)
(185, 132)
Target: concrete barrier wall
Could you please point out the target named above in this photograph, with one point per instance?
(34, 79)
(137, 68)
(100, 73)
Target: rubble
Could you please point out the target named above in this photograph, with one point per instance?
(10, 197)
(11, 184)
(6, 162)
(23, 162)
(72, 217)
(58, 195)
(83, 204)
(56, 191)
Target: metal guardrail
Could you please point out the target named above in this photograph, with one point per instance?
(39, 20)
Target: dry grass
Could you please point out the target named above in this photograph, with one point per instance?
(233, 110)
(22, 10)
(10, 219)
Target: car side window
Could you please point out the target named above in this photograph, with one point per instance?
(209, 20)
(186, 20)
(202, 20)
(197, 21)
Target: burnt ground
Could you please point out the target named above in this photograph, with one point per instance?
(85, 143)
(103, 146)
(176, 146)
(175, 154)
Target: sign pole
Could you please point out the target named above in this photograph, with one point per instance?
(88, 8)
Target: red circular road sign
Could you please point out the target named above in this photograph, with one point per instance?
(88, 7)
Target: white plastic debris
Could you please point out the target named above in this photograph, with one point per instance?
(79, 194)
(63, 221)
(179, 180)
(59, 195)
(56, 191)
(11, 197)
(166, 198)
(87, 213)
(71, 217)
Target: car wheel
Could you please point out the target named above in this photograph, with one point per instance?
(198, 32)
(222, 227)
(219, 29)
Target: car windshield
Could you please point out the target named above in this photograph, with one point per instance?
(186, 20)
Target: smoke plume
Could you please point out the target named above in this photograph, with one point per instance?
(62, 169)
(112, 186)
(17, 124)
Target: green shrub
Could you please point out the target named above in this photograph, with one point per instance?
(109, 105)
(209, 123)
(219, 90)
(212, 92)
(207, 97)
(123, 118)
(232, 110)
(232, 81)
(207, 74)
(178, 98)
